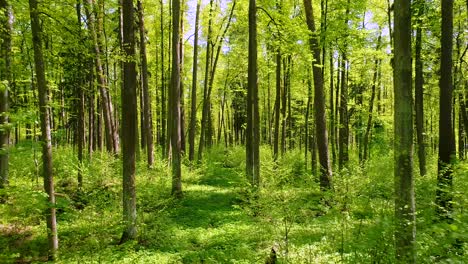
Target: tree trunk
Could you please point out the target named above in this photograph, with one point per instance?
(162, 140)
(446, 137)
(344, 126)
(146, 93)
(418, 84)
(193, 111)
(111, 132)
(253, 120)
(332, 107)
(367, 134)
(284, 101)
(319, 102)
(405, 217)
(129, 123)
(81, 133)
(91, 141)
(45, 129)
(277, 105)
(175, 102)
(204, 121)
(6, 27)
(181, 89)
(289, 116)
(306, 126)
(81, 108)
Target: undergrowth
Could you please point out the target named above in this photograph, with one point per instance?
(221, 219)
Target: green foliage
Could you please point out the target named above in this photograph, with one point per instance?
(221, 219)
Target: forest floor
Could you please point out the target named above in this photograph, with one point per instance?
(220, 219)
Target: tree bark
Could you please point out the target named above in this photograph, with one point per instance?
(163, 87)
(405, 231)
(332, 107)
(344, 126)
(253, 119)
(419, 96)
(129, 123)
(46, 137)
(193, 111)
(175, 102)
(367, 134)
(306, 126)
(277, 105)
(146, 94)
(284, 101)
(319, 103)
(6, 27)
(111, 131)
(204, 120)
(181, 89)
(91, 141)
(446, 137)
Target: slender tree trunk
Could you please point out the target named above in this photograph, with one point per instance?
(221, 110)
(313, 147)
(444, 194)
(461, 130)
(405, 231)
(45, 129)
(337, 107)
(111, 133)
(418, 84)
(284, 102)
(306, 126)
(289, 124)
(277, 105)
(193, 111)
(81, 108)
(389, 20)
(175, 102)
(146, 94)
(129, 123)
(91, 141)
(344, 126)
(319, 103)
(81, 133)
(253, 119)
(182, 89)
(367, 134)
(332, 107)
(204, 121)
(163, 87)
(6, 27)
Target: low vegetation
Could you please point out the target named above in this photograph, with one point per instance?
(221, 219)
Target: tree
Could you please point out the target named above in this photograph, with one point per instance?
(344, 126)
(405, 231)
(252, 144)
(206, 103)
(446, 136)
(146, 95)
(193, 111)
(419, 91)
(319, 102)
(129, 125)
(6, 21)
(46, 139)
(371, 103)
(174, 97)
(277, 104)
(111, 129)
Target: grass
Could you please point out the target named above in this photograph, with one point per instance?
(221, 219)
